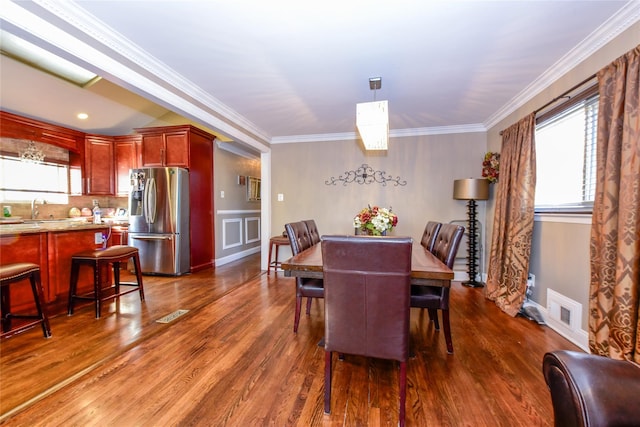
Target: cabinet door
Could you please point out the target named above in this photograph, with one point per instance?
(126, 158)
(62, 246)
(30, 247)
(177, 149)
(153, 150)
(118, 236)
(99, 166)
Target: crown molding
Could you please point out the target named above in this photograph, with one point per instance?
(437, 130)
(319, 137)
(235, 149)
(393, 133)
(628, 15)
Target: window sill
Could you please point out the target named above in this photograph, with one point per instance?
(569, 218)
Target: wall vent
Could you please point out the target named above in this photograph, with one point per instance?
(563, 310)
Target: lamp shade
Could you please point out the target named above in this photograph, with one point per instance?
(372, 120)
(471, 189)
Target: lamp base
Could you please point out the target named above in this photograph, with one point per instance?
(473, 284)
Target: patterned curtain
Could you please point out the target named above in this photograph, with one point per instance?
(513, 219)
(614, 323)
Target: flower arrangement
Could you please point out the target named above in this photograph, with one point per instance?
(375, 220)
(491, 166)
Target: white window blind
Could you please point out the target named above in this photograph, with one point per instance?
(566, 156)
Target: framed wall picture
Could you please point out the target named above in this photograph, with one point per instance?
(253, 189)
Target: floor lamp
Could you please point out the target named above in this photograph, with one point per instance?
(472, 189)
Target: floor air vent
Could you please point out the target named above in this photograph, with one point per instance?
(172, 316)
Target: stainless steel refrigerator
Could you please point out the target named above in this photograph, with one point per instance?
(159, 219)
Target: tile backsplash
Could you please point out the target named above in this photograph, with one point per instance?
(51, 210)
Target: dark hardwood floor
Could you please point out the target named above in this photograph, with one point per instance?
(234, 360)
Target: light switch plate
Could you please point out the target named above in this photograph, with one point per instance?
(222, 194)
(280, 197)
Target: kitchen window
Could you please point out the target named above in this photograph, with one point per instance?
(22, 181)
(566, 155)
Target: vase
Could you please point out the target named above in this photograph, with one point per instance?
(367, 232)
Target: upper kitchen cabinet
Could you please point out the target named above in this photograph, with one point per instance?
(127, 151)
(166, 146)
(14, 126)
(99, 165)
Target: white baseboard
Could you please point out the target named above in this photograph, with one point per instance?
(237, 256)
(460, 276)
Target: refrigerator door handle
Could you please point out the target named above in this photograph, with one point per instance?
(145, 202)
(151, 237)
(150, 201)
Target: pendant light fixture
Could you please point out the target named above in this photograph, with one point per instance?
(372, 119)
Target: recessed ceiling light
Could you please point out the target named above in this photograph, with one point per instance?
(83, 116)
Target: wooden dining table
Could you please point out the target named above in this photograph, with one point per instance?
(426, 268)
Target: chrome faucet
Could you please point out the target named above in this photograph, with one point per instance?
(34, 209)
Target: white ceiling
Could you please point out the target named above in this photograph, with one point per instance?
(263, 72)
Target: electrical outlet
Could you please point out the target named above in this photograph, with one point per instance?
(280, 197)
(222, 194)
(99, 238)
(531, 280)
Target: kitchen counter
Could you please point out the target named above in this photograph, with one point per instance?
(50, 244)
(55, 225)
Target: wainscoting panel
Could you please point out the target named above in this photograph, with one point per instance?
(239, 234)
(252, 229)
(231, 233)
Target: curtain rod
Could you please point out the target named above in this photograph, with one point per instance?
(563, 95)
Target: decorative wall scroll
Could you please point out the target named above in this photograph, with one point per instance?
(365, 175)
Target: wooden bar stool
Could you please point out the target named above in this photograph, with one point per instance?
(99, 260)
(276, 241)
(12, 273)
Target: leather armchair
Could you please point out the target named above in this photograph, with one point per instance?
(436, 297)
(591, 390)
(430, 234)
(367, 302)
(300, 240)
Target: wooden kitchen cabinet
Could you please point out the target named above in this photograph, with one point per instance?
(119, 236)
(127, 153)
(99, 166)
(61, 246)
(52, 251)
(165, 146)
(25, 248)
(188, 147)
(14, 126)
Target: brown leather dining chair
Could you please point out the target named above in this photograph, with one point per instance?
(588, 390)
(366, 309)
(310, 288)
(429, 235)
(436, 297)
(312, 228)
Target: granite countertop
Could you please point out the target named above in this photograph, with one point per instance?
(44, 226)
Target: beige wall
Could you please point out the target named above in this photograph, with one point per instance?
(227, 168)
(429, 165)
(560, 255)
